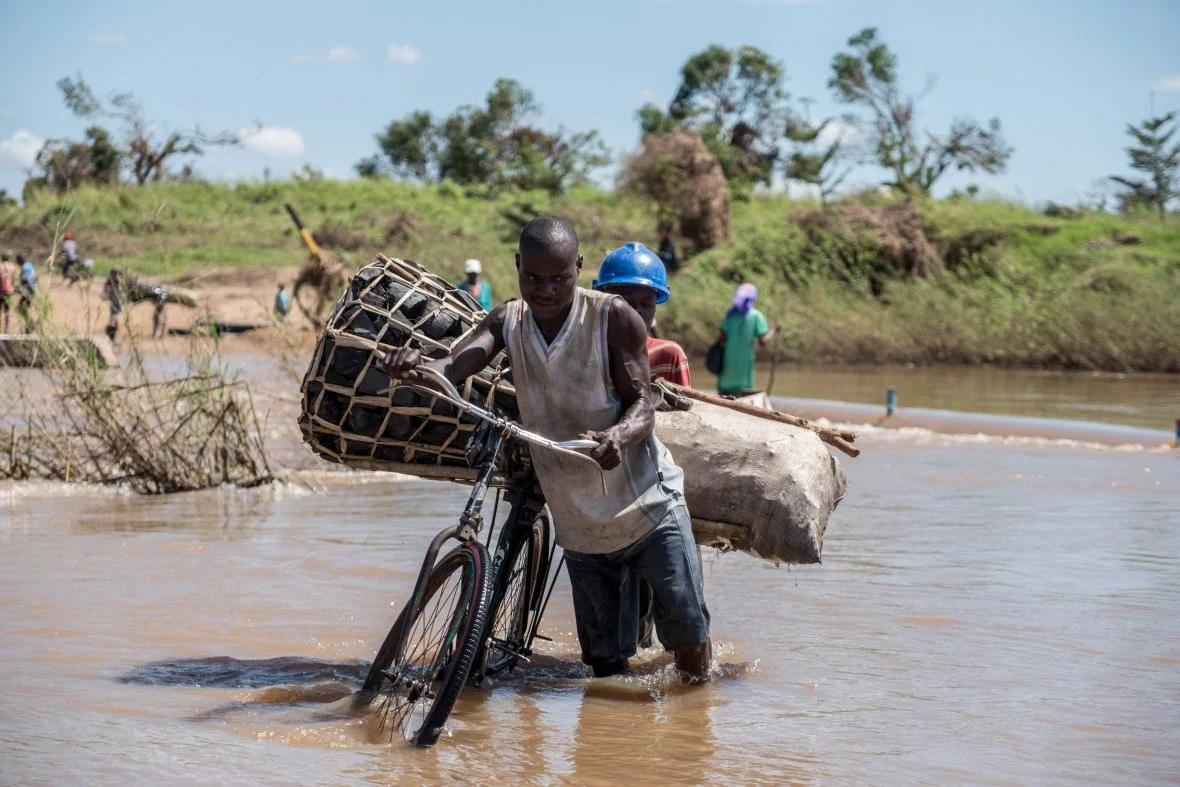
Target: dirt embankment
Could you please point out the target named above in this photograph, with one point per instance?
(240, 295)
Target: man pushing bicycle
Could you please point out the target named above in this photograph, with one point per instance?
(579, 366)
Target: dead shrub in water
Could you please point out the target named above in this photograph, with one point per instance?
(153, 436)
(677, 173)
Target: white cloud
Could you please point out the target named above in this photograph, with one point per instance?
(20, 150)
(405, 54)
(337, 54)
(108, 39)
(1168, 84)
(272, 141)
(846, 132)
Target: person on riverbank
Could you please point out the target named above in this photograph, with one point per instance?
(282, 305)
(638, 276)
(7, 289)
(474, 286)
(112, 293)
(579, 364)
(27, 291)
(69, 256)
(668, 251)
(743, 327)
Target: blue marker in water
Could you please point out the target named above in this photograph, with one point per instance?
(891, 403)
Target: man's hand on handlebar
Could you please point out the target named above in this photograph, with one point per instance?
(399, 364)
(609, 453)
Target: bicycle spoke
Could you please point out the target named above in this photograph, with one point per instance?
(410, 685)
(507, 631)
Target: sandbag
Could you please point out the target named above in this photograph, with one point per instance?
(756, 485)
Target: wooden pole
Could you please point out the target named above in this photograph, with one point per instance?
(837, 438)
(773, 365)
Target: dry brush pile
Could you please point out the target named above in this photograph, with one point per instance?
(149, 434)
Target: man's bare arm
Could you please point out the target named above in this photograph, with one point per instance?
(466, 358)
(626, 340)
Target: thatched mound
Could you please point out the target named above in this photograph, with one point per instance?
(895, 231)
(677, 172)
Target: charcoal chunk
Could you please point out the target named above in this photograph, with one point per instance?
(365, 325)
(440, 325)
(400, 427)
(404, 396)
(346, 366)
(325, 356)
(332, 407)
(374, 383)
(363, 278)
(414, 306)
(390, 453)
(436, 434)
(365, 420)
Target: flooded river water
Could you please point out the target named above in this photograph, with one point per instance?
(989, 611)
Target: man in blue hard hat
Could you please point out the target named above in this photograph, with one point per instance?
(638, 276)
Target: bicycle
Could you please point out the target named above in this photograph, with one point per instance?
(470, 615)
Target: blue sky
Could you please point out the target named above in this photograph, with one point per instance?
(322, 78)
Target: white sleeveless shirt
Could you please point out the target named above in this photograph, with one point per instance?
(564, 389)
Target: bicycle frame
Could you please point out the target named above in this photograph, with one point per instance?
(471, 520)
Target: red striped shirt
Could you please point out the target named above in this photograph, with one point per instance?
(668, 361)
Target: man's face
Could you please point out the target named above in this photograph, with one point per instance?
(472, 277)
(547, 282)
(641, 299)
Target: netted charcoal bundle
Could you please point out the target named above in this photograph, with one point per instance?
(351, 416)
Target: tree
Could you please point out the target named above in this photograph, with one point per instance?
(496, 144)
(64, 165)
(411, 146)
(866, 77)
(684, 182)
(144, 156)
(1151, 154)
(735, 100)
(821, 164)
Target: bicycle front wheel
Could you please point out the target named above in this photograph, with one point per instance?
(424, 662)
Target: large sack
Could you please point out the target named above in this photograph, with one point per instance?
(764, 487)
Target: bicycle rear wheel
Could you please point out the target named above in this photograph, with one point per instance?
(519, 584)
(424, 662)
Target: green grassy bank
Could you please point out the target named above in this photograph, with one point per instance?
(1003, 284)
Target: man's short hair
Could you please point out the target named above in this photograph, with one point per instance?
(549, 235)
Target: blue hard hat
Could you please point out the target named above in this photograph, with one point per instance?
(634, 263)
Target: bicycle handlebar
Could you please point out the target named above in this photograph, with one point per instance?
(513, 429)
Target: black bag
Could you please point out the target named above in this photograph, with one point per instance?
(715, 358)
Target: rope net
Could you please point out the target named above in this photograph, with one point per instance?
(351, 415)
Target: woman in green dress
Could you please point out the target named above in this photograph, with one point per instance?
(742, 327)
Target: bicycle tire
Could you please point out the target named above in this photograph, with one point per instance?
(418, 677)
(518, 587)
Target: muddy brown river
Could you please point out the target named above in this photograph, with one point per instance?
(994, 607)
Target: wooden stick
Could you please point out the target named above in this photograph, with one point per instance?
(837, 438)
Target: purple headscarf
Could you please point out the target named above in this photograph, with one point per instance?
(743, 300)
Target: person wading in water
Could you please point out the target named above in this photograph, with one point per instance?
(579, 364)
